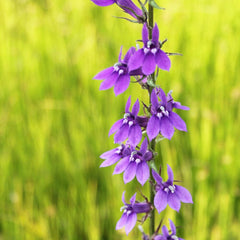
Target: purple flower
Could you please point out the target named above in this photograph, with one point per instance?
(135, 164)
(163, 119)
(168, 193)
(129, 126)
(130, 211)
(166, 235)
(118, 75)
(150, 55)
(127, 5)
(114, 155)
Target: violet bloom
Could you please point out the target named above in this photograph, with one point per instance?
(118, 75)
(166, 235)
(114, 155)
(135, 164)
(130, 211)
(163, 119)
(150, 55)
(129, 126)
(168, 193)
(127, 5)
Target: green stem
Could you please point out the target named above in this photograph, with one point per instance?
(152, 143)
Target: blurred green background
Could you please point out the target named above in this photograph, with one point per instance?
(54, 121)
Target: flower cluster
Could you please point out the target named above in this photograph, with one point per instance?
(136, 134)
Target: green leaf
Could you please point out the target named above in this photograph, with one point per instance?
(154, 4)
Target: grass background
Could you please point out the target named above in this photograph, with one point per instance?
(54, 121)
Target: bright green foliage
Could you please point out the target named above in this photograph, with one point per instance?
(54, 121)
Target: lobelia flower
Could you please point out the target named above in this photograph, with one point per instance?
(127, 5)
(168, 193)
(150, 55)
(135, 164)
(165, 233)
(118, 75)
(112, 156)
(130, 211)
(163, 119)
(129, 126)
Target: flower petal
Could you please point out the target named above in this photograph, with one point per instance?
(162, 60)
(121, 84)
(145, 34)
(128, 55)
(128, 103)
(109, 81)
(104, 73)
(131, 221)
(120, 54)
(121, 165)
(142, 173)
(180, 106)
(133, 199)
(162, 96)
(135, 108)
(122, 221)
(154, 99)
(166, 127)
(149, 64)
(115, 127)
(108, 153)
(128, 6)
(122, 133)
(103, 3)
(153, 127)
(110, 161)
(177, 121)
(170, 175)
(136, 60)
(135, 135)
(123, 198)
(147, 156)
(165, 231)
(172, 226)
(144, 146)
(183, 194)
(130, 172)
(155, 34)
(159, 237)
(173, 201)
(157, 177)
(160, 200)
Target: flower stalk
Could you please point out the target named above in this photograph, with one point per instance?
(135, 156)
(152, 143)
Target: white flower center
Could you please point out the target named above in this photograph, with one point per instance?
(146, 50)
(120, 72)
(129, 212)
(137, 160)
(149, 43)
(118, 150)
(159, 115)
(130, 123)
(170, 188)
(165, 112)
(154, 50)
